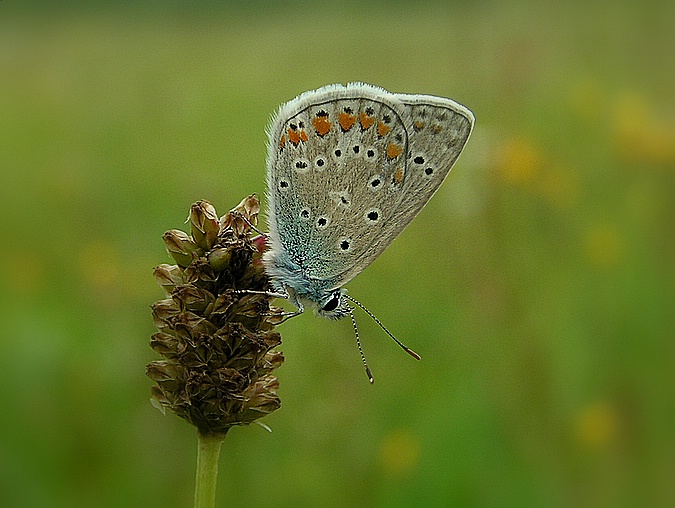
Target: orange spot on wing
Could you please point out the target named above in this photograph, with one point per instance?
(296, 135)
(394, 150)
(382, 129)
(366, 121)
(398, 176)
(418, 125)
(346, 120)
(322, 125)
(293, 136)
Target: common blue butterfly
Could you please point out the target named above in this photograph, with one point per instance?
(348, 168)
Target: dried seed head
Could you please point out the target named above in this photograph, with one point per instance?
(216, 341)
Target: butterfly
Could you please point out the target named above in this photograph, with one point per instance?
(348, 168)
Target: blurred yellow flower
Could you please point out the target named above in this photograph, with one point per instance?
(604, 246)
(640, 135)
(597, 425)
(400, 452)
(522, 162)
(519, 160)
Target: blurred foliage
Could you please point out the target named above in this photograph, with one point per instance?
(537, 285)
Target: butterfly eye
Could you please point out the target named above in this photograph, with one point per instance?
(333, 303)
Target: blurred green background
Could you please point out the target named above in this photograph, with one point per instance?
(537, 285)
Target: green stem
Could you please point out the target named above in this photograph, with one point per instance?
(207, 469)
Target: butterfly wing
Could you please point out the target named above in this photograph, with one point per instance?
(348, 169)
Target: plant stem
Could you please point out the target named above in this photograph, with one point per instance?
(208, 452)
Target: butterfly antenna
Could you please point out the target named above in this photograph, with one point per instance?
(358, 343)
(374, 318)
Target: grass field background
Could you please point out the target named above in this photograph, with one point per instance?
(537, 284)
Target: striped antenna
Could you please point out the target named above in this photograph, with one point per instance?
(374, 318)
(358, 343)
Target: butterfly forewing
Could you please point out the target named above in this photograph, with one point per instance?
(336, 163)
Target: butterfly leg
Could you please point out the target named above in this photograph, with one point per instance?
(288, 315)
(272, 294)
